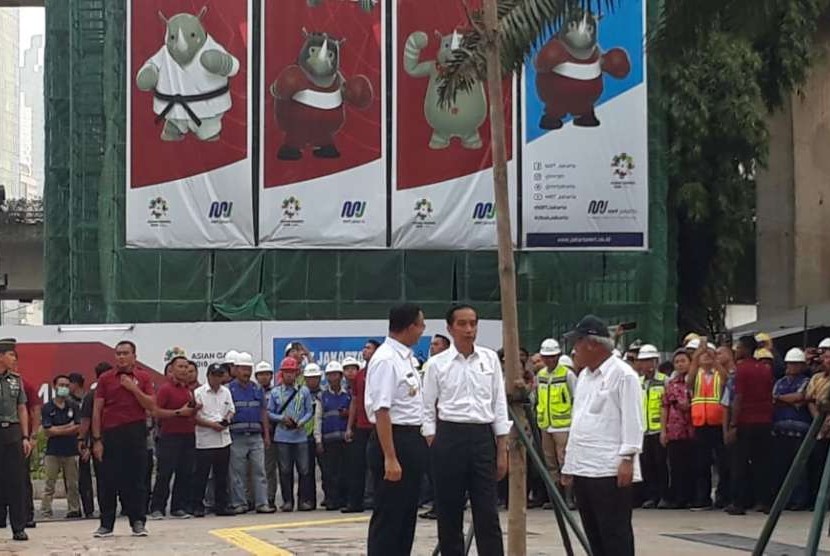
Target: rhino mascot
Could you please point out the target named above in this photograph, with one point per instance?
(189, 79)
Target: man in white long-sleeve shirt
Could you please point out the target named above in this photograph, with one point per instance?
(466, 426)
(605, 438)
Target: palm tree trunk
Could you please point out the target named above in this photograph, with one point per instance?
(517, 516)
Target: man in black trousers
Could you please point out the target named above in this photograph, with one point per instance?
(466, 426)
(396, 452)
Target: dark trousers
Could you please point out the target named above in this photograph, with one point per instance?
(682, 465)
(392, 527)
(818, 458)
(175, 456)
(785, 449)
(605, 510)
(290, 456)
(207, 460)
(751, 465)
(710, 450)
(124, 468)
(13, 476)
(655, 471)
(30, 491)
(307, 489)
(148, 477)
(356, 464)
(464, 463)
(334, 473)
(85, 486)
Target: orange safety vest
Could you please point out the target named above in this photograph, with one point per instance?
(706, 407)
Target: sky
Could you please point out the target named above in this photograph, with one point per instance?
(32, 22)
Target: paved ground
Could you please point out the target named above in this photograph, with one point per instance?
(322, 533)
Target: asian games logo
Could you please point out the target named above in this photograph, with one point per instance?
(158, 208)
(622, 166)
(291, 207)
(423, 210)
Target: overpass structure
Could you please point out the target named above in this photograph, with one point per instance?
(21, 255)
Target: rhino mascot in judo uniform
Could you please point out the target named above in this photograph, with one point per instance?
(189, 79)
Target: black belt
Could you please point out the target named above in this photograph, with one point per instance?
(7, 424)
(183, 100)
(407, 428)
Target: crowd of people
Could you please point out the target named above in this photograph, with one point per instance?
(717, 427)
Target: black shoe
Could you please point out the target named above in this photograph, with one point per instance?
(649, 505)
(20, 536)
(306, 507)
(224, 512)
(351, 510)
(139, 530)
(588, 120)
(265, 509)
(533, 504)
(199, 512)
(102, 533)
(289, 153)
(327, 151)
(731, 509)
(31, 524)
(73, 515)
(287, 507)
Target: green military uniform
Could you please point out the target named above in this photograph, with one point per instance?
(12, 480)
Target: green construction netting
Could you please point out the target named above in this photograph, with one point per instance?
(91, 277)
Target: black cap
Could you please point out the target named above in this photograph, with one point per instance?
(7, 344)
(442, 337)
(217, 368)
(76, 378)
(590, 325)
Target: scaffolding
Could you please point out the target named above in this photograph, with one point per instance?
(91, 277)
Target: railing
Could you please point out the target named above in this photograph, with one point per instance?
(26, 216)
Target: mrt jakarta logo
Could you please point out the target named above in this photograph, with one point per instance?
(484, 213)
(353, 211)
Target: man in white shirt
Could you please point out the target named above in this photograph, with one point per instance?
(213, 439)
(397, 452)
(605, 438)
(466, 427)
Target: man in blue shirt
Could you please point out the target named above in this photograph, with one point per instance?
(790, 422)
(289, 406)
(61, 420)
(331, 419)
(249, 433)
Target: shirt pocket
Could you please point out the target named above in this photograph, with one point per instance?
(482, 378)
(599, 402)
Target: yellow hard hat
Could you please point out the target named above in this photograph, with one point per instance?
(763, 338)
(689, 337)
(763, 354)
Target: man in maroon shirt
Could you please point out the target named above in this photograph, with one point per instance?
(357, 436)
(123, 397)
(175, 410)
(750, 426)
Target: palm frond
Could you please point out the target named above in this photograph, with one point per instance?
(523, 26)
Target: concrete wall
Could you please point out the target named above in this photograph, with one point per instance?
(21, 257)
(793, 204)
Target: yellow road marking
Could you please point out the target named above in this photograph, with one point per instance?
(239, 536)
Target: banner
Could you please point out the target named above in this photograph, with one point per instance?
(442, 194)
(585, 144)
(189, 127)
(323, 163)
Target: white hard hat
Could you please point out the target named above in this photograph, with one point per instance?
(795, 355)
(566, 362)
(263, 367)
(231, 357)
(550, 347)
(694, 343)
(824, 344)
(334, 367)
(244, 359)
(617, 353)
(350, 362)
(289, 345)
(648, 351)
(312, 370)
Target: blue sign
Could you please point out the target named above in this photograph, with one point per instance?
(336, 348)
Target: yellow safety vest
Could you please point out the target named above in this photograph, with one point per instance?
(653, 401)
(554, 399)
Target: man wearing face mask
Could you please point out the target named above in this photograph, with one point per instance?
(61, 422)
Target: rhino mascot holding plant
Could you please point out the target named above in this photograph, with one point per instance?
(189, 79)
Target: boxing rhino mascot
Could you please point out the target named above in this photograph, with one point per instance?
(311, 98)
(189, 79)
(569, 72)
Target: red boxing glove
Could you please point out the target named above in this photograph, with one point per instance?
(615, 63)
(551, 55)
(358, 92)
(291, 81)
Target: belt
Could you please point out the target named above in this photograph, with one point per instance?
(7, 424)
(183, 101)
(407, 428)
(246, 433)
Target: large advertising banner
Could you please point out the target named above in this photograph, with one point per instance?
(189, 125)
(323, 168)
(585, 155)
(442, 194)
